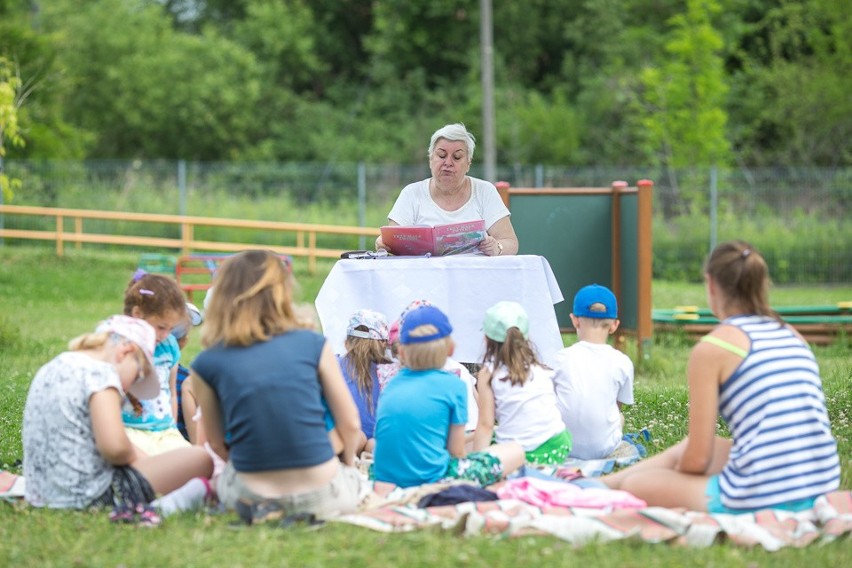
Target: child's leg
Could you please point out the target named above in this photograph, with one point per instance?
(510, 454)
(166, 472)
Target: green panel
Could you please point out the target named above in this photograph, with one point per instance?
(628, 308)
(573, 232)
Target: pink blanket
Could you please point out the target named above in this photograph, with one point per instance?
(545, 493)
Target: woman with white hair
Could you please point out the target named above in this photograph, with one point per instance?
(452, 196)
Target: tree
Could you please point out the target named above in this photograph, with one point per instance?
(684, 97)
(146, 90)
(12, 97)
(791, 76)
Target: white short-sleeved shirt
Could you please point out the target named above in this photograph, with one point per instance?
(526, 414)
(591, 379)
(62, 464)
(415, 206)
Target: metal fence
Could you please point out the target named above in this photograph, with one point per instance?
(796, 216)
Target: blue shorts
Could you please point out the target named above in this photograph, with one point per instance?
(714, 501)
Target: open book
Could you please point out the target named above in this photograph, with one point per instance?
(440, 240)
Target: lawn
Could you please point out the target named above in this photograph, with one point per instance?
(45, 300)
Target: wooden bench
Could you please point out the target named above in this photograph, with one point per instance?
(194, 272)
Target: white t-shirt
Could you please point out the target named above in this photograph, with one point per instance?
(62, 464)
(415, 206)
(526, 414)
(591, 379)
(461, 371)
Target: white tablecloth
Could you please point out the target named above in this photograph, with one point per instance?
(462, 286)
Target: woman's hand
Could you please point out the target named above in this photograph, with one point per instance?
(500, 239)
(491, 246)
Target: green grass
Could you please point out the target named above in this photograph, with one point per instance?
(45, 300)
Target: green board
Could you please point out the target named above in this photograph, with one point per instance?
(574, 233)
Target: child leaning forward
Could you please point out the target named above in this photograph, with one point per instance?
(422, 412)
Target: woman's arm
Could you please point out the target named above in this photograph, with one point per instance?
(485, 427)
(211, 415)
(347, 422)
(503, 232)
(110, 438)
(192, 413)
(703, 379)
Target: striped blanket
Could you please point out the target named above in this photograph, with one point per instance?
(830, 518)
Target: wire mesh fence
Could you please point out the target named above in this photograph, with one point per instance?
(798, 217)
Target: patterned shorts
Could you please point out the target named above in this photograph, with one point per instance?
(552, 452)
(481, 467)
(128, 488)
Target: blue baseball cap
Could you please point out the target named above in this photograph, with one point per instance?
(422, 316)
(595, 294)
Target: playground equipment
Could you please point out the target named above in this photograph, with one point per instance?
(820, 325)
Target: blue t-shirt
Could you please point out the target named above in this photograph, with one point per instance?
(413, 423)
(270, 396)
(157, 412)
(366, 410)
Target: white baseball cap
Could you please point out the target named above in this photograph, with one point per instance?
(143, 335)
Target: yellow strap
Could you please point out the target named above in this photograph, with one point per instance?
(725, 345)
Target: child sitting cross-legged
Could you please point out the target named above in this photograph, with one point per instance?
(593, 379)
(517, 390)
(422, 412)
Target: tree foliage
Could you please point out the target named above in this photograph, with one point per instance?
(606, 82)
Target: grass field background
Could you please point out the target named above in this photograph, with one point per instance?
(46, 300)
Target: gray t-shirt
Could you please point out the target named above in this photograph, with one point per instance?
(62, 465)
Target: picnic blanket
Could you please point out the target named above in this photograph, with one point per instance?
(830, 518)
(12, 486)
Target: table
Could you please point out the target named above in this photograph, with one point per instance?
(464, 287)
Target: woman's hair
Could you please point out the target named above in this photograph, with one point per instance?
(252, 300)
(361, 354)
(426, 355)
(454, 133)
(516, 353)
(154, 295)
(741, 274)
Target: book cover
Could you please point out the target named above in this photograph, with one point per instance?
(440, 240)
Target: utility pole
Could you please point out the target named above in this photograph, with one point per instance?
(487, 48)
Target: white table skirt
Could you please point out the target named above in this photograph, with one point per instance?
(462, 286)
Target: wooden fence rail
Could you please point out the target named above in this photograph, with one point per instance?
(186, 243)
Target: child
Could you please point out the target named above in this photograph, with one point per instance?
(422, 412)
(386, 372)
(515, 386)
(593, 379)
(366, 343)
(187, 406)
(159, 301)
(76, 453)
(760, 375)
(262, 379)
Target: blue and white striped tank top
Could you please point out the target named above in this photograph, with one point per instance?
(775, 409)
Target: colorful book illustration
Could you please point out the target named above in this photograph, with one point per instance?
(440, 240)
